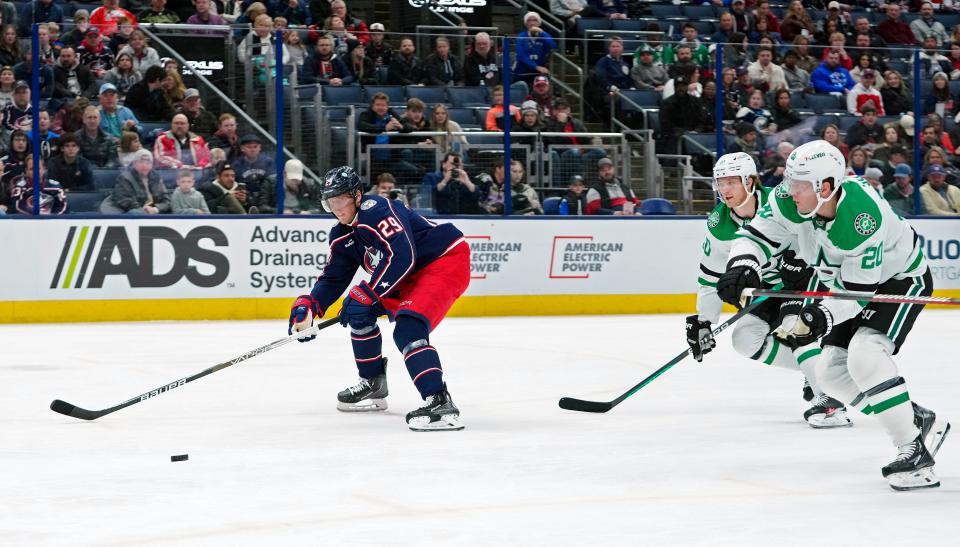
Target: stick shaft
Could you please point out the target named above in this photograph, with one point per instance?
(881, 298)
(70, 410)
(570, 403)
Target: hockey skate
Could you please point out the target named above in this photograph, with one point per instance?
(826, 413)
(366, 396)
(912, 469)
(932, 429)
(438, 413)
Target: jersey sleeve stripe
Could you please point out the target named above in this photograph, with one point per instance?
(706, 283)
(708, 271)
(413, 251)
(760, 243)
(760, 235)
(860, 287)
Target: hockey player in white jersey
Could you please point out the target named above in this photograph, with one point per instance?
(855, 242)
(738, 186)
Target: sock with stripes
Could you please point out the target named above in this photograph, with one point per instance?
(368, 350)
(884, 390)
(423, 363)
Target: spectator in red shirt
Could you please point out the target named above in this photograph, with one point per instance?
(353, 25)
(893, 29)
(105, 17)
(763, 12)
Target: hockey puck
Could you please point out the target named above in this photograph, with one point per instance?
(179, 458)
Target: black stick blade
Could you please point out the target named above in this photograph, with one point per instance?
(68, 409)
(569, 403)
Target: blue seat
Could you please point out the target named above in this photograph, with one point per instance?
(307, 92)
(629, 24)
(104, 179)
(822, 102)
(150, 132)
(704, 28)
(666, 11)
(427, 94)
(485, 138)
(394, 92)
(697, 12)
(954, 87)
(468, 96)
(350, 94)
(463, 116)
(656, 206)
(84, 202)
(797, 99)
(551, 206)
(643, 97)
(846, 122)
(701, 143)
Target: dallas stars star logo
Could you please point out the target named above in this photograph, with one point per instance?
(865, 224)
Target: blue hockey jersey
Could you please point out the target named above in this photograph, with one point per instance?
(389, 241)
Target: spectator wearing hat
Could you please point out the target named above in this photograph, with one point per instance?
(931, 60)
(679, 113)
(38, 11)
(893, 30)
(575, 200)
(646, 74)
(867, 130)
(224, 195)
(530, 122)
(115, 118)
(202, 121)
(609, 195)
(874, 176)
(864, 93)
(542, 94)
(939, 198)
(742, 20)
(179, 148)
(254, 168)
(69, 168)
(746, 141)
(300, 196)
(94, 54)
(105, 17)
(158, 13)
(147, 99)
(440, 67)
(899, 194)
(17, 114)
(830, 77)
(534, 46)
(360, 68)
(123, 75)
(927, 25)
(12, 161)
(939, 100)
(139, 190)
(482, 64)
(378, 49)
(694, 87)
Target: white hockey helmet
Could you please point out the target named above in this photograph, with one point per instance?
(737, 164)
(815, 162)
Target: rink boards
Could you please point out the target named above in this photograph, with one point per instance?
(250, 268)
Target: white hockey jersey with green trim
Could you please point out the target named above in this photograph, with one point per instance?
(864, 245)
(722, 226)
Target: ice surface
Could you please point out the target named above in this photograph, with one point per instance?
(708, 454)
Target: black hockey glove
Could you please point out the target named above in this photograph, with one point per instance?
(788, 308)
(794, 272)
(699, 337)
(814, 322)
(743, 272)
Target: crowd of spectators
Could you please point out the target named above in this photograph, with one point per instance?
(102, 80)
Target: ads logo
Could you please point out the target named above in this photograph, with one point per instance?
(576, 257)
(459, 6)
(86, 252)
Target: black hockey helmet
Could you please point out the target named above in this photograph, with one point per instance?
(339, 181)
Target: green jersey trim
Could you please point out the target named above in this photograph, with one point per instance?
(786, 206)
(858, 215)
(721, 223)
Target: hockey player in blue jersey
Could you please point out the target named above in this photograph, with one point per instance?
(417, 270)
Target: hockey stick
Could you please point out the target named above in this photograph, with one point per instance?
(881, 298)
(570, 403)
(68, 409)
